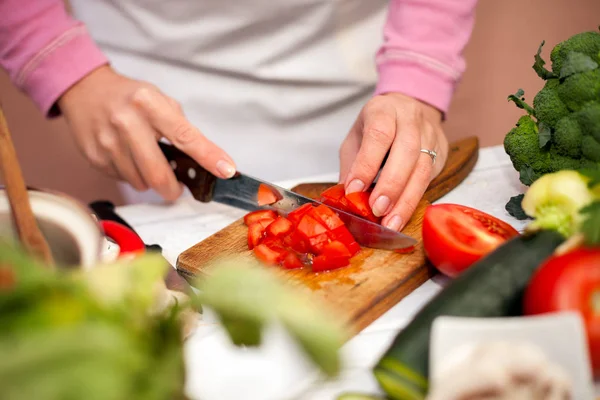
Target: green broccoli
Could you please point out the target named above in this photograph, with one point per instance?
(562, 129)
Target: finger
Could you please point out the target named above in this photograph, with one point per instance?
(398, 168)
(403, 210)
(140, 138)
(378, 133)
(121, 159)
(348, 151)
(173, 125)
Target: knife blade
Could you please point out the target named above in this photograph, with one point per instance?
(241, 191)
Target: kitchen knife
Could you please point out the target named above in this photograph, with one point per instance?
(241, 191)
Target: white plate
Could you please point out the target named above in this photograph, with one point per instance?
(561, 336)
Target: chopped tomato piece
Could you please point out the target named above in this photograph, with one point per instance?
(405, 250)
(274, 243)
(296, 242)
(335, 197)
(358, 203)
(326, 263)
(309, 227)
(268, 255)
(255, 234)
(335, 249)
(317, 242)
(291, 261)
(280, 227)
(327, 217)
(342, 234)
(296, 215)
(254, 216)
(267, 195)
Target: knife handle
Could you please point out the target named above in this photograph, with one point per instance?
(187, 171)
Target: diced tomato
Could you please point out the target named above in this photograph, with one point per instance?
(296, 242)
(297, 214)
(254, 216)
(335, 249)
(317, 242)
(405, 250)
(267, 255)
(267, 195)
(255, 234)
(335, 197)
(342, 234)
(358, 203)
(326, 216)
(309, 227)
(280, 227)
(274, 243)
(325, 263)
(291, 261)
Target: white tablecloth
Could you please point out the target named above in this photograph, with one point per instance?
(277, 370)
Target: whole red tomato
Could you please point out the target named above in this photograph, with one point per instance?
(570, 282)
(455, 236)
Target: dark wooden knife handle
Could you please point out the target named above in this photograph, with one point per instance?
(187, 171)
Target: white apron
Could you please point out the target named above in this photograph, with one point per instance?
(276, 84)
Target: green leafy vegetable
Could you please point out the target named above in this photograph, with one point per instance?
(527, 176)
(591, 224)
(519, 100)
(576, 63)
(514, 208)
(539, 63)
(545, 134)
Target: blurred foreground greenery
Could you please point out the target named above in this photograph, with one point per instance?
(107, 334)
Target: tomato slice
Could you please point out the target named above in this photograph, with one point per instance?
(255, 234)
(456, 236)
(570, 282)
(325, 263)
(254, 216)
(280, 227)
(326, 216)
(267, 195)
(291, 261)
(268, 255)
(342, 234)
(296, 215)
(358, 203)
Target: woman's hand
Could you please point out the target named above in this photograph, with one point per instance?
(117, 121)
(403, 126)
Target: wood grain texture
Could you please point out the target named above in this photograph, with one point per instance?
(27, 229)
(376, 279)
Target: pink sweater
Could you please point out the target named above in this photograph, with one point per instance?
(45, 50)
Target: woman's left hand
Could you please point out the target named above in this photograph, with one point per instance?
(403, 126)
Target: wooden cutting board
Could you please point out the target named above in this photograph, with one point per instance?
(376, 279)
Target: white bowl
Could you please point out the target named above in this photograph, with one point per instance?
(561, 336)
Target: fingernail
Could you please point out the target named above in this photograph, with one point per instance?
(381, 205)
(355, 186)
(394, 223)
(225, 169)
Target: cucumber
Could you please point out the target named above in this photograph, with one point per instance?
(492, 287)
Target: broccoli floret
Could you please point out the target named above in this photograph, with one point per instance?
(548, 107)
(567, 137)
(589, 119)
(562, 129)
(587, 43)
(578, 89)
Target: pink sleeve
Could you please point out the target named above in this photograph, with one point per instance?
(44, 50)
(422, 51)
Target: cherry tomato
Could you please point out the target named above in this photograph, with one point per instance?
(570, 281)
(455, 236)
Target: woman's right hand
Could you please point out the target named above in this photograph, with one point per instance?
(117, 121)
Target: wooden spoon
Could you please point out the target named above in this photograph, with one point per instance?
(29, 233)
